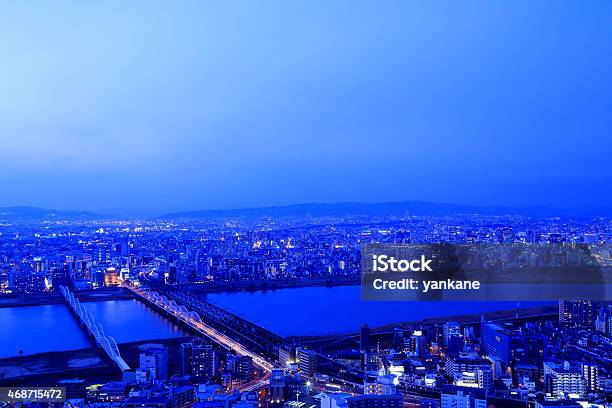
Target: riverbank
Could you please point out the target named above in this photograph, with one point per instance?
(45, 369)
(53, 366)
(271, 285)
(55, 297)
(537, 312)
(15, 301)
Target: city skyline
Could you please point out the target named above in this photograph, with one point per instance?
(306, 204)
(185, 312)
(210, 106)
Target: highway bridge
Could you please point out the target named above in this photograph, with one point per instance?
(94, 329)
(257, 339)
(194, 321)
(234, 332)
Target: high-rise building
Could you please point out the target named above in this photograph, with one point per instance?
(455, 343)
(101, 254)
(534, 348)
(416, 344)
(496, 341)
(28, 283)
(124, 249)
(186, 358)
(286, 357)
(563, 378)
(485, 377)
(590, 373)
(603, 322)
(182, 396)
(364, 337)
(244, 368)
(202, 363)
(451, 329)
(576, 313)
(480, 369)
(155, 361)
(398, 338)
(370, 360)
(468, 333)
(307, 362)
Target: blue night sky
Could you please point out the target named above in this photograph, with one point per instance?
(156, 106)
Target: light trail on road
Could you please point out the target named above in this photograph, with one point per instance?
(209, 332)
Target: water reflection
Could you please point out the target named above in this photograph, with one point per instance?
(44, 328)
(38, 329)
(339, 309)
(131, 320)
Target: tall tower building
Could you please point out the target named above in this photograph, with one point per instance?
(451, 329)
(155, 361)
(364, 337)
(202, 363)
(576, 313)
(186, 357)
(307, 364)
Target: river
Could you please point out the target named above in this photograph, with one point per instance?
(330, 310)
(288, 312)
(44, 328)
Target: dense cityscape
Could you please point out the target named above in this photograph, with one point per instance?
(554, 355)
(306, 204)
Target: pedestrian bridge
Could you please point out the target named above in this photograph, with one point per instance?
(94, 329)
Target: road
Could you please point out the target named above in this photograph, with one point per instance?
(206, 330)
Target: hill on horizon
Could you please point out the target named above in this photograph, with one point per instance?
(30, 213)
(399, 208)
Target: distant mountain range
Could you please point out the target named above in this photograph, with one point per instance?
(26, 213)
(400, 208)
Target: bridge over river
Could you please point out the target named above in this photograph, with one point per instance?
(234, 332)
(94, 329)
